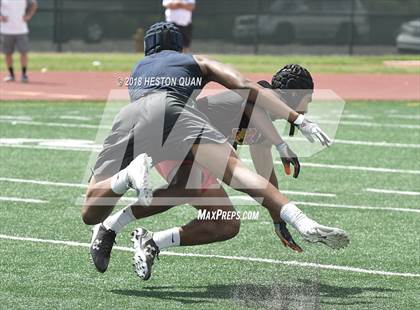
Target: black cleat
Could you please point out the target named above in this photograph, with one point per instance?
(101, 246)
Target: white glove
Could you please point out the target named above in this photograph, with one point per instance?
(311, 130)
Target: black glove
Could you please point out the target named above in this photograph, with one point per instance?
(285, 237)
(288, 157)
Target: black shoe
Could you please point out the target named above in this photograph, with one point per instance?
(101, 246)
(24, 79)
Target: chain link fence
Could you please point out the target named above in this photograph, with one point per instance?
(234, 26)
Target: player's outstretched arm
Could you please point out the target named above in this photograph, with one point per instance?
(262, 160)
(264, 165)
(262, 121)
(265, 98)
(227, 76)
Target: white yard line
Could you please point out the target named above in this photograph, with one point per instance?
(225, 257)
(15, 118)
(359, 168)
(39, 182)
(76, 118)
(61, 184)
(52, 124)
(297, 193)
(345, 167)
(370, 124)
(64, 184)
(213, 200)
(357, 116)
(51, 144)
(378, 144)
(394, 192)
(237, 197)
(46, 147)
(308, 194)
(332, 205)
(20, 121)
(304, 203)
(404, 116)
(365, 143)
(241, 198)
(57, 144)
(26, 200)
(72, 146)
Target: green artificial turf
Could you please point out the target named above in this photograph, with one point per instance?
(37, 275)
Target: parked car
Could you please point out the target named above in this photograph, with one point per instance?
(305, 20)
(408, 39)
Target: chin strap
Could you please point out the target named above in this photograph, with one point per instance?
(292, 130)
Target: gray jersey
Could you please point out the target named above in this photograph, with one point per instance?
(229, 113)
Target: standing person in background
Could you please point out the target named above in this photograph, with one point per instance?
(14, 17)
(179, 12)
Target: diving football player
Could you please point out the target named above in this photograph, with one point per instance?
(161, 124)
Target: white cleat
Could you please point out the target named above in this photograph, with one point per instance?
(334, 238)
(145, 252)
(138, 177)
(9, 79)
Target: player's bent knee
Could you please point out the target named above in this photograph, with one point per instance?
(228, 229)
(88, 220)
(89, 217)
(234, 227)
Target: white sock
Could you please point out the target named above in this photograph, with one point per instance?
(167, 238)
(117, 221)
(294, 216)
(119, 182)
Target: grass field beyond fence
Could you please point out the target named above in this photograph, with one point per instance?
(244, 63)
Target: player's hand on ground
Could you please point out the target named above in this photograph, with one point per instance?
(285, 237)
(311, 131)
(288, 157)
